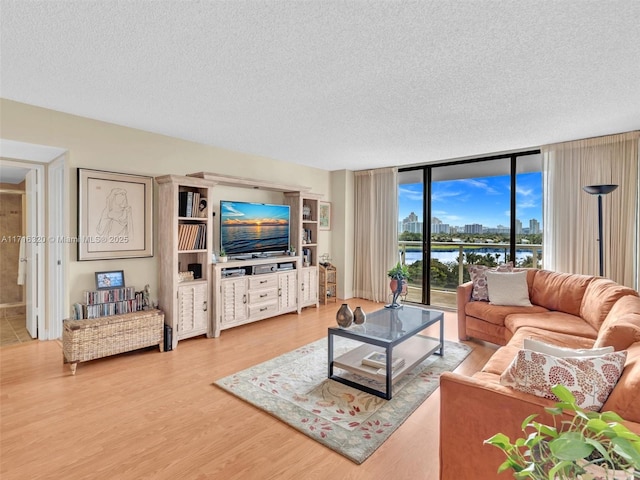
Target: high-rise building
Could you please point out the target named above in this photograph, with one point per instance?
(518, 227)
(438, 227)
(473, 228)
(534, 226)
(411, 224)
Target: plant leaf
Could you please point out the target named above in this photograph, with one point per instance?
(525, 422)
(626, 450)
(570, 446)
(499, 440)
(611, 417)
(564, 394)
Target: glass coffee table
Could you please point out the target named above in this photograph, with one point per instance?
(388, 337)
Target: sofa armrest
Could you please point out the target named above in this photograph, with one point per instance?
(473, 410)
(463, 296)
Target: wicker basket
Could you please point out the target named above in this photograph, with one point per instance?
(84, 340)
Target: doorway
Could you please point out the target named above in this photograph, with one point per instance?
(42, 320)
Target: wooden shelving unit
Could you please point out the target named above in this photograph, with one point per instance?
(184, 243)
(304, 221)
(328, 283)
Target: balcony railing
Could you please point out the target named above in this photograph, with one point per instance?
(444, 295)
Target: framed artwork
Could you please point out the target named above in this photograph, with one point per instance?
(115, 215)
(107, 280)
(324, 215)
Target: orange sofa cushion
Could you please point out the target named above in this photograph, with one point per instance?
(553, 322)
(599, 299)
(496, 314)
(562, 292)
(625, 398)
(621, 327)
(564, 340)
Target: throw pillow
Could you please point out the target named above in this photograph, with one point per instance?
(508, 289)
(619, 336)
(562, 352)
(590, 379)
(479, 279)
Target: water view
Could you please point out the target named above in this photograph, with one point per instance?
(446, 256)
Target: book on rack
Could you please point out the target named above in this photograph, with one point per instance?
(192, 236)
(379, 360)
(189, 204)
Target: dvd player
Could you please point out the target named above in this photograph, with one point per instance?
(233, 272)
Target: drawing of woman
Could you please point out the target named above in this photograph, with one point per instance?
(116, 218)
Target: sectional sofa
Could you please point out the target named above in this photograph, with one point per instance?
(566, 310)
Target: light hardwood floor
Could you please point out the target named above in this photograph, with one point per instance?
(151, 415)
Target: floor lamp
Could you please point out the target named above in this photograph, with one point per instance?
(600, 190)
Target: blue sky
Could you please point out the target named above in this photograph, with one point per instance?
(240, 213)
(482, 200)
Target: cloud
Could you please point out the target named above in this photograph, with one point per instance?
(442, 196)
(526, 192)
(472, 182)
(229, 211)
(410, 194)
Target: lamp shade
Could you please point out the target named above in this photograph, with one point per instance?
(599, 189)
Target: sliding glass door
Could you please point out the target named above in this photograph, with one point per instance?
(486, 211)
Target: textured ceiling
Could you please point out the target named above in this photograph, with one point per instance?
(333, 84)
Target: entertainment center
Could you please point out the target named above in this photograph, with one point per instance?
(261, 279)
(254, 289)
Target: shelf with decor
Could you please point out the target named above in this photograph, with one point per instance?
(328, 283)
(304, 237)
(185, 249)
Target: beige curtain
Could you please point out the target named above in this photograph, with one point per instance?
(571, 214)
(376, 232)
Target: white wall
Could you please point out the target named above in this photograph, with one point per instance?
(104, 146)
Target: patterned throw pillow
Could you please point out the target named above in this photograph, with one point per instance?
(590, 379)
(479, 279)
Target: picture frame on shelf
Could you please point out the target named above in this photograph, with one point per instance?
(115, 215)
(324, 215)
(109, 280)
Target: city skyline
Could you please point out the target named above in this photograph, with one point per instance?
(484, 201)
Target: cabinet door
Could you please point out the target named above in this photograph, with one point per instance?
(309, 285)
(234, 300)
(313, 284)
(287, 291)
(192, 309)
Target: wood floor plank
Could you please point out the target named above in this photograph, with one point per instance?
(153, 415)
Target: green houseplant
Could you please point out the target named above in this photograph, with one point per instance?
(592, 446)
(223, 256)
(398, 275)
(399, 272)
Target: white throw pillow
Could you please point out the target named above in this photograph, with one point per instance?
(508, 289)
(561, 352)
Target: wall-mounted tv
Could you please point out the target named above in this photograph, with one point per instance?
(253, 228)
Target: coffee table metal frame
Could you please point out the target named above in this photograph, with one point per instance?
(378, 335)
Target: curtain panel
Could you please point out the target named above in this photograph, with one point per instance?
(571, 215)
(376, 232)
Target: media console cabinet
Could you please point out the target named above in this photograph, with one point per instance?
(255, 289)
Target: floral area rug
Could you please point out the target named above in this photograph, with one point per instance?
(294, 388)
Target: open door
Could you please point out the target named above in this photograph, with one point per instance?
(34, 252)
